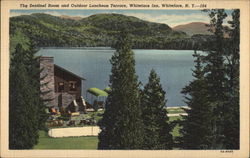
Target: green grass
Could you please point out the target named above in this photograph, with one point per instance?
(174, 118)
(175, 111)
(176, 129)
(46, 142)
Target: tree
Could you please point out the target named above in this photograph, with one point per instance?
(154, 114)
(23, 111)
(222, 77)
(215, 76)
(122, 125)
(18, 37)
(231, 130)
(33, 64)
(197, 130)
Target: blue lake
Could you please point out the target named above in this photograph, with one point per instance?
(173, 67)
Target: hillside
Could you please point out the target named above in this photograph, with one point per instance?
(98, 30)
(70, 17)
(193, 28)
(198, 28)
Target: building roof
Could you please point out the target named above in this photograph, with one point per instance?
(63, 69)
(97, 92)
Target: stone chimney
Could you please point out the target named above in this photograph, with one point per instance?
(47, 80)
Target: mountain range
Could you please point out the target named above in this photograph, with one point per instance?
(46, 30)
(194, 28)
(190, 29)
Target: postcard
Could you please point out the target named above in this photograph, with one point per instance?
(125, 78)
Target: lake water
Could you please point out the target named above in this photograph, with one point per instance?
(173, 67)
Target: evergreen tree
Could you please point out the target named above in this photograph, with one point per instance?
(23, 110)
(216, 77)
(222, 77)
(231, 118)
(197, 131)
(34, 71)
(122, 125)
(154, 114)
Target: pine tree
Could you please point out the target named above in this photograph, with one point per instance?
(197, 131)
(23, 115)
(33, 63)
(231, 117)
(154, 114)
(216, 77)
(122, 125)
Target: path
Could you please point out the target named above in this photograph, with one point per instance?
(74, 131)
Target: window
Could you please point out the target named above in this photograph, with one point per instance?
(60, 86)
(72, 85)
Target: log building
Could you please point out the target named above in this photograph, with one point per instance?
(61, 88)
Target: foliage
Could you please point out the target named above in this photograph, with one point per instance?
(27, 109)
(46, 142)
(216, 78)
(18, 37)
(231, 117)
(102, 30)
(213, 117)
(197, 132)
(157, 129)
(122, 125)
(34, 70)
(23, 113)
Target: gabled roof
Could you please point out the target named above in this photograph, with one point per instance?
(61, 68)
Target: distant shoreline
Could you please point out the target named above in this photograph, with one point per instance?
(108, 48)
(94, 48)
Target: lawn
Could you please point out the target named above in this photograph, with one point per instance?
(176, 129)
(174, 118)
(175, 111)
(46, 142)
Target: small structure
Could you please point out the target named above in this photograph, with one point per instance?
(99, 97)
(61, 87)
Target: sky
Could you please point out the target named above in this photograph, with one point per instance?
(169, 17)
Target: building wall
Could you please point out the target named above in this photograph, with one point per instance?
(64, 99)
(63, 76)
(51, 75)
(47, 82)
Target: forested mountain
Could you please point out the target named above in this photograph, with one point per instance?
(100, 30)
(193, 28)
